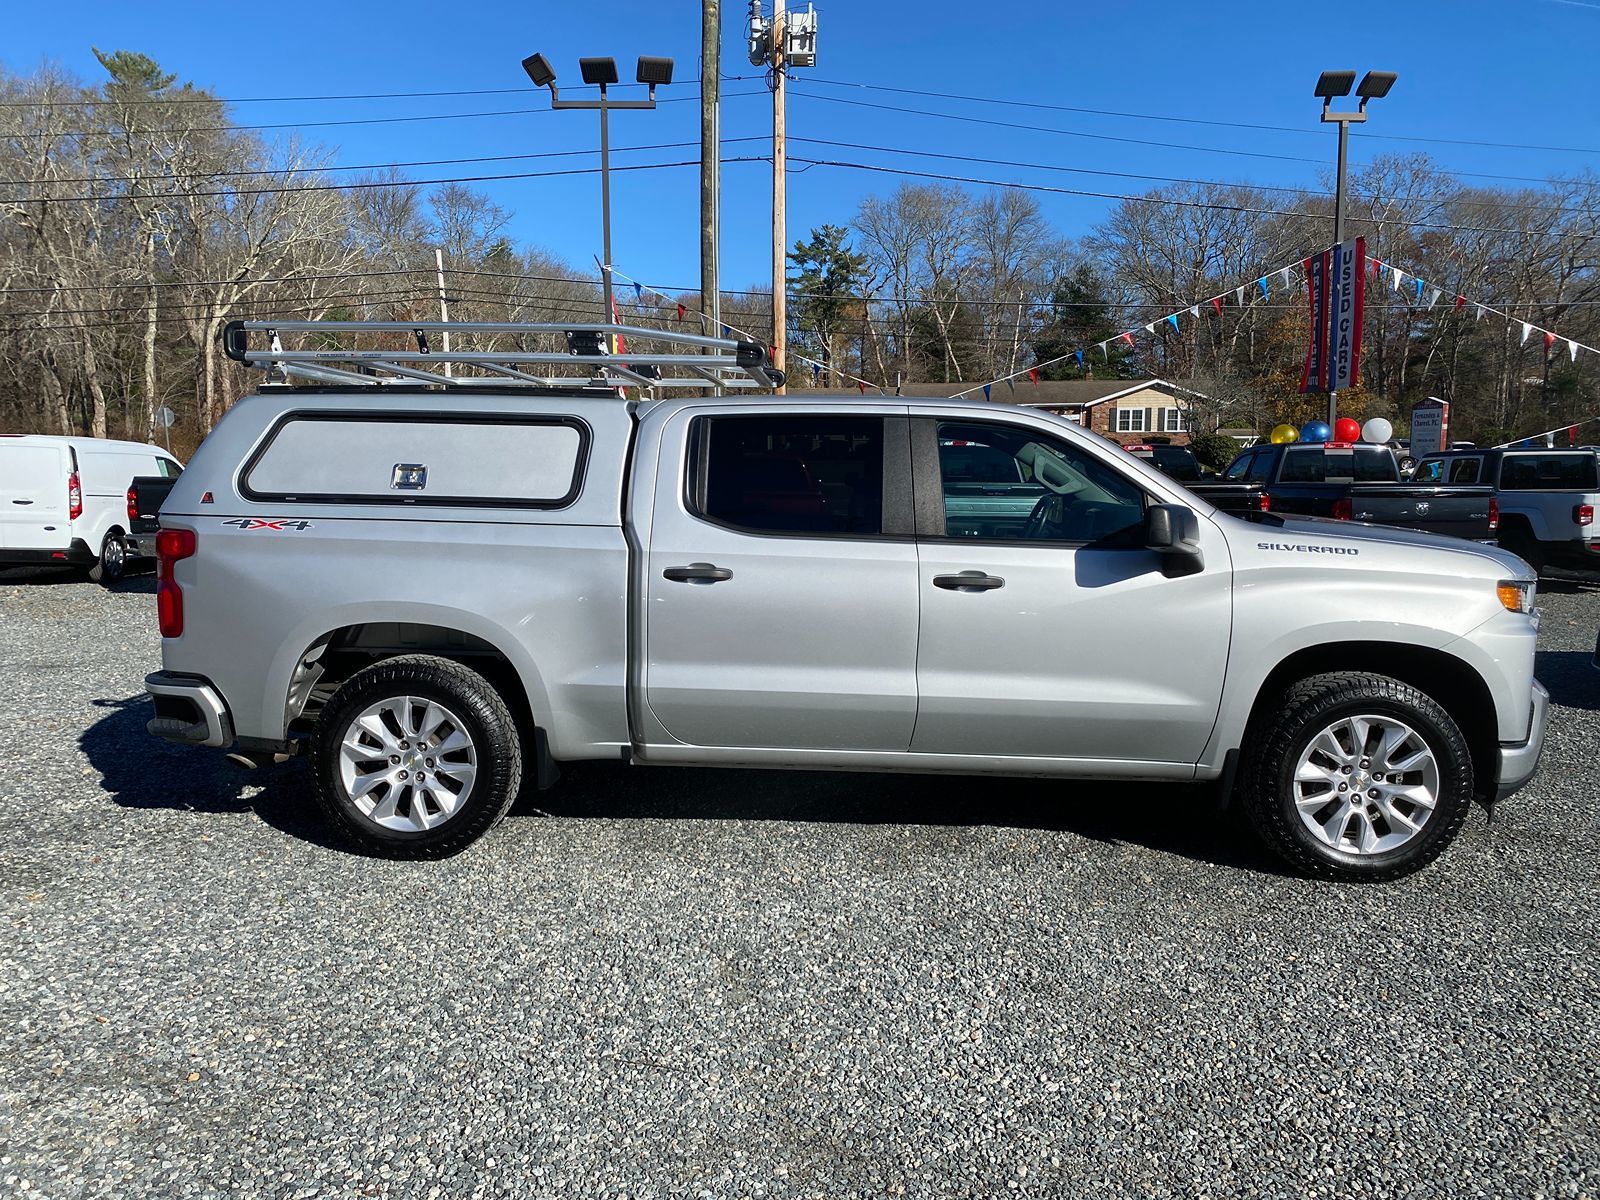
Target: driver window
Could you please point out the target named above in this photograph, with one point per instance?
(1004, 483)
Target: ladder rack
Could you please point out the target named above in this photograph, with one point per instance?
(664, 360)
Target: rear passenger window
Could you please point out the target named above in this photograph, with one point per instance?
(1464, 470)
(1548, 472)
(420, 458)
(791, 474)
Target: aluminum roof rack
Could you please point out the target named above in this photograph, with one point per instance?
(655, 359)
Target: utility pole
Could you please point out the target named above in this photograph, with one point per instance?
(780, 216)
(710, 161)
(788, 40)
(444, 305)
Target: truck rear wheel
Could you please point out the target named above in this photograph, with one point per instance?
(416, 757)
(1357, 777)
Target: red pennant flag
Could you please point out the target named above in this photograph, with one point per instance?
(1572, 435)
(1126, 337)
(681, 311)
(1549, 339)
(772, 354)
(862, 386)
(1033, 375)
(1216, 304)
(1461, 302)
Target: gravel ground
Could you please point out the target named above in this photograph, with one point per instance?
(691, 983)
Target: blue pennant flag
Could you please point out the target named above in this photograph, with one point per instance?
(638, 294)
(1418, 282)
(1078, 354)
(816, 372)
(726, 332)
(1173, 317)
(986, 391)
(1266, 293)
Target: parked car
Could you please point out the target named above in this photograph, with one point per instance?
(145, 497)
(1348, 482)
(423, 590)
(1177, 461)
(1547, 499)
(64, 500)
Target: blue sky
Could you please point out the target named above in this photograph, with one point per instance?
(1512, 71)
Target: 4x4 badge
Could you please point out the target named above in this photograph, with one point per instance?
(250, 523)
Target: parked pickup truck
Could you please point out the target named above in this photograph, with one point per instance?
(146, 494)
(1547, 499)
(1349, 482)
(423, 590)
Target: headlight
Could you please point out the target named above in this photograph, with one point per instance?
(1516, 594)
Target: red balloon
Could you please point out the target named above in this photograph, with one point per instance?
(1347, 429)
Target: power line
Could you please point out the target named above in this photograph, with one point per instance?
(1103, 112)
(503, 112)
(160, 100)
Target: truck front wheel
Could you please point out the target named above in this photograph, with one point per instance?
(1358, 777)
(416, 757)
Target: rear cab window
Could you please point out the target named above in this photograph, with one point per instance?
(1319, 464)
(801, 475)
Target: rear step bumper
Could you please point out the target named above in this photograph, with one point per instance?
(188, 710)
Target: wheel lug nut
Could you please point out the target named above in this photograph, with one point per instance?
(394, 758)
(430, 764)
(1344, 787)
(1373, 793)
(407, 746)
(1345, 768)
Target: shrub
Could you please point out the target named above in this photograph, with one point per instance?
(1214, 450)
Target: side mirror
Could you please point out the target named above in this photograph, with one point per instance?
(1173, 531)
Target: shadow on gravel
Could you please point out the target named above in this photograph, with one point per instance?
(140, 771)
(1570, 676)
(1180, 819)
(141, 577)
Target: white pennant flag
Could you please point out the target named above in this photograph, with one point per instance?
(1526, 331)
(1284, 275)
(1433, 297)
(1104, 353)
(1194, 311)
(1238, 294)
(1572, 350)
(1398, 276)
(1478, 315)
(1150, 328)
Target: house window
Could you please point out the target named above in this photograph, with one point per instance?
(1169, 420)
(1132, 420)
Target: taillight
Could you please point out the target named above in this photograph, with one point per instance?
(74, 497)
(172, 545)
(133, 506)
(1343, 510)
(1494, 514)
(1263, 503)
(1583, 514)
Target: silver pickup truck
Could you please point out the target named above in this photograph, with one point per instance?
(437, 592)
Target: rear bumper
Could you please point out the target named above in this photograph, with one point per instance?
(77, 554)
(1581, 553)
(143, 545)
(189, 710)
(1519, 761)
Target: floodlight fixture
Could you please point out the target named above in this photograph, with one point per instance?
(539, 70)
(1375, 85)
(598, 70)
(654, 70)
(1335, 83)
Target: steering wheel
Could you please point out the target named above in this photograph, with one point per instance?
(1046, 513)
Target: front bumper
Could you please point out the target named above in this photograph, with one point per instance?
(188, 710)
(1518, 761)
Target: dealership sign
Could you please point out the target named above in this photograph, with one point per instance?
(1336, 286)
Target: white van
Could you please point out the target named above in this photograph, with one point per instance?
(64, 500)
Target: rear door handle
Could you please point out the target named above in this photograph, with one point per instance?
(968, 581)
(697, 573)
(22, 502)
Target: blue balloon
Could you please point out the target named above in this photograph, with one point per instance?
(1316, 431)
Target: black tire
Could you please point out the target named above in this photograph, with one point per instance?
(494, 741)
(112, 564)
(1520, 541)
(1274, 747)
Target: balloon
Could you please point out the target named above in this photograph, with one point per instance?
(1377, 430)
(1282, 434)
(1316, 431)
(1347, 429)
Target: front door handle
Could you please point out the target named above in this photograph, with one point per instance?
(697, 573)
(968, 581)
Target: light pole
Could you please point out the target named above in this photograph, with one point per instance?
(1330, 84)
(602, 71)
